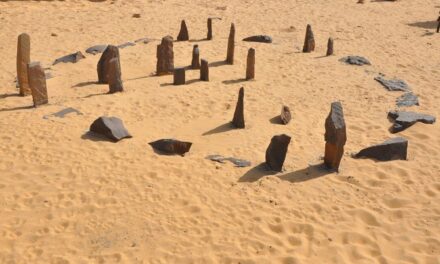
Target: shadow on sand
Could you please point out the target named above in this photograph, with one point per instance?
(220, 129)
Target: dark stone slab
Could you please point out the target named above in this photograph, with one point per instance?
(71, 58)
(171, 146)
(37, 83)
(96, 49)
(393, 84)
(285, 116)
(114, 76)
(276, 152)
(195, 62)
(250, 65)
(259, 38)
(238, 120)
(165, 56)
(183, 34)
(204, 71)
(407, 99)
(402, 120)
(355, 60)
(143, 40)
(309, 42)
(110, 127)
(235, 161)
(209, 24)
(392, 149)
(179, 76)
(102, 67)
(126, 44)
(23, 59)
(335, 136)
(330, 49)
(231, 45)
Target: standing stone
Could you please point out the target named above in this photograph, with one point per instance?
(114, 76)
(183, 34)
(309, 42)
(330, 47)
(285, 116)
(204, 71)
(231, 45)
(195, 63)
(165, 56)
(179, 76)
(276, 152)
(238, 120)
(23, 59)
(438, 24)
(335, 136)
(250, 67)
(209, 37)
(109, 53)
(37, 83)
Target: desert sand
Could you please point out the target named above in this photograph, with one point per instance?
(66, 197)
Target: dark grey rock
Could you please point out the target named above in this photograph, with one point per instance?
(391, 149)
(238, 120)
(171, 146)
(110, 127)
(402, 120)
(309, 42)
(179, 76)
(259, 38)
(407, 99)
(276, 152)
(285, 116)
(126, 44)
(355, 60)
(393, 84)
(335, 136)
(235, 161)
(96, 49)
(143, 40)
(72, 58)
(103, 67)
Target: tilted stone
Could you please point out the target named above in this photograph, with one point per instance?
(183, 34)
(171, 146)
(96, 49)
(110, 127)
(165, 56)
(276, 152)
(231, 45)
(126, 44)
(204, 71)
(259, 38)
(250, 66)
(238, 120)
(393, 84)
(71, 58)
(335, 136)
(402, 120)
(23, 59)
(285, 116)
(110, 52)
(195, 62)
(391, 149)
(179, 76)
(37, 83)
(309, 42)
(114, 76)
(330, 47)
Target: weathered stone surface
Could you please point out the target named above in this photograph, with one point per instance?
(402, 120)
(110, 52)
(37, 83)
(250, 66)
(259, 38)
(96, 49)
(355, 60)
(330, 44)
(165, 56)
(391, 149)
(276, 152)
(126, 44)
(407, 99)
(204, 71)
(110, 127)
(237, 162)
(238, 120)
(183, 34)
(179, 76)
(23, 59)
(195, 62)
(209, 23)
(335, 136)
(231, 45)
(393, 84)
(171, 146)
(285, 116)
(309, 42)
(72, 58)
(114, 76)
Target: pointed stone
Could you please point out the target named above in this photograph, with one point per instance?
(391, 149)
(179, 76)
(250, 66)
(330, 47)
(109, 53)
(71, 58)
(209, 36)
(23, 59)
(183, 34)
(37, 83)
(276, 152)
(165, 56)
(403, 120)
(171, 146)
(195, 63)
(114, 76)
(110, 127)
(285, 116)
(238, 120)
(204, 71)
(335, 136)
(309, 42)
(96, 49)
(231, 45)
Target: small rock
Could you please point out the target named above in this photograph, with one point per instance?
(231, 45)
(330, 45)
(393, 84)
(96, 49)
(63, 113)
(204, 70)
(407, 99)
(72, 58)
(276, 152)
(110, 127)
(143, 40)
(285, 116)
(402, 120)
(136, 15)
(335, 136)
(237, 162)
(391, 149)
(171, 146)
(259, 38)
(355, 60)
(209, 24)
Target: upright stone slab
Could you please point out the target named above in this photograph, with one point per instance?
(195, 63)
(204, 71)
(335, 136)
(183, 34)
(114, 76)
(109, 53)
(23, 59)
(209, 36)
(238, 120)
(231, 45)
(179, 76)
(165, 56)
(276, 152)
(330, 47)
(250, 66)
(285, 115)
(37, 83)
(309, 42)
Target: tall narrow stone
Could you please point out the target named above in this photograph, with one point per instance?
(109, 53)
(179, 76)
(114, 76)
(231, 45)
(250, 67)
(183, 34)
(165, 56)
(335, 136)
(23, 59)
(330, 47)
(238, 120)
(37, 83)
(309, 42)
(195, 63)
(276, 152)
(204, 71)
(209, 36)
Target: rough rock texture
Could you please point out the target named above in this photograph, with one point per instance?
(183, 34)
(231, 45)
(23, 59)
(237, 162)
(393, 84)
(171, 146)
(165, 56)
(330, 44)
(110, 127)
(355, 60)
(209, 35)
(392, 149)
(114, 76)
(402, 120)
(195, 62)
(250, 66)
(204, 71)
(276, 152)
(72, 58)
(110, 52)
(285, 116)
(238, 120)
(96, 49)
(407, 99)
(259, 38)
(335, 136)
(37, 83)
(179, 76)
(309, 42)
(126, 44)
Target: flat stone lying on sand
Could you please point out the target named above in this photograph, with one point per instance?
(37, 83)
(143, 40)
(402, 120)
(110, 127)
(393, 84)
(259, 38)
(355, 60)
(96, 49)
(276, 152)
(23, 59)
(72, 58)
(171, 146)
(126, 44)
(237, 162)
(407, 99)
(63, 113)
(391, 149)
(285, 116)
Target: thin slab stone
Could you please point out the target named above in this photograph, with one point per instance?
(250, 66)
(195, 62)
(276, 152)
(309, 42)
(355, 60)
(114, 76)
(330, 45)
(204, 71)
(110, 127)
(403, 120)
(259, 38)
(37, 83)
(391, 149)
(179, 76)
(171, 146)
(165, 56)
(285, 116)
(183, 34)
(407, 99)
(96, 49)
(393, 84)
(335, 136)
(209, 24)
(231, 45)
(238, 120)
(71, 58)
(102, 67)
(23, 59)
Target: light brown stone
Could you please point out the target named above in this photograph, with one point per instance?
(23, 59)
(37, 83)
(250, 66)
(231, 45)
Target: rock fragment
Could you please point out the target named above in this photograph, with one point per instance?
(285, 116)
(195, 62)
(250, 66)
(96, 49)
(183, 34)
(309, 42)
(407, 99)
(330, 44)
(179, 76)
(171, 146)
(355, 60)
(391, 149)
(111, 52)
(110, 127)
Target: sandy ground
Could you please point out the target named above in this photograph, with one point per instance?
(69, 198)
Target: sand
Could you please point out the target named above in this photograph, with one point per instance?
(66, 197)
